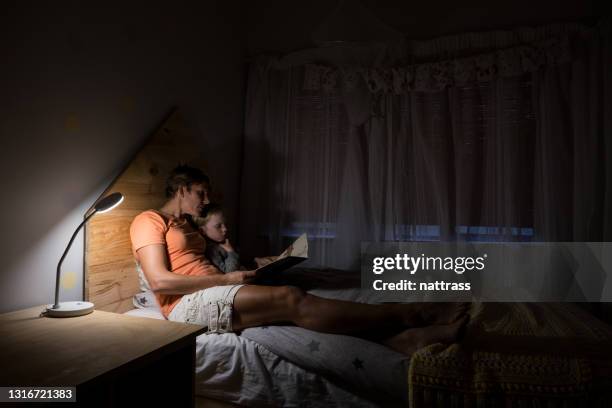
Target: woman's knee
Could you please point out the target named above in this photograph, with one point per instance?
(290, 297)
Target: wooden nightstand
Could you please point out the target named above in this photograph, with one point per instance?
(111, 359)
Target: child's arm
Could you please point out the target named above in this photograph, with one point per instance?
(224, 257)
(232, 261)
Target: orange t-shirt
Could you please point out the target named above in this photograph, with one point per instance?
(185, 247)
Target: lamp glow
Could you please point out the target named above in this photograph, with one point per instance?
(79, 308)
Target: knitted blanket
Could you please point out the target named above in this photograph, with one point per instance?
(515, 355)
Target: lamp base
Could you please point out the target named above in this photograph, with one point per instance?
(70, 309)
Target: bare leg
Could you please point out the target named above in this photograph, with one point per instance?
(257, 305)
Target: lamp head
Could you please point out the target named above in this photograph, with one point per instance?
(108, 203)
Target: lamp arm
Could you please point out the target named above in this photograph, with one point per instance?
(59, 265)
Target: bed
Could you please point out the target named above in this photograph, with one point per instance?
(512, 354)
(290, 366)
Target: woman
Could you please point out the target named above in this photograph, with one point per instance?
(170, 250)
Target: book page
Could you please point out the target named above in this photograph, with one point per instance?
(299, 248)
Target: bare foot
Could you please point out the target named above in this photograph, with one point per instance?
(410, 340)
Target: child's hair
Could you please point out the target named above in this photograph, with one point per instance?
(208, 211)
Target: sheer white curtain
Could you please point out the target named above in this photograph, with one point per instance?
(294, 167)
(431, 151)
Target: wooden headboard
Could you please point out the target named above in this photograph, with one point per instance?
(110, 272)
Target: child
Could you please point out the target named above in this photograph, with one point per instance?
(219, 250)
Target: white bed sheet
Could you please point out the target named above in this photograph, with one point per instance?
(235, 369)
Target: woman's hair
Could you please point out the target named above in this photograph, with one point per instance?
(183, 175)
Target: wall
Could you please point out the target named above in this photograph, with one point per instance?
(83, 85)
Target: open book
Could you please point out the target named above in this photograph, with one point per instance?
(293, 255)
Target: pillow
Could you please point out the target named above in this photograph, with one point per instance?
(145, 300)
(143, 283)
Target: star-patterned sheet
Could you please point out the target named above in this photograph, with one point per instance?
(377, 371)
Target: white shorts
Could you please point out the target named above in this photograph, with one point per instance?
(211, 307)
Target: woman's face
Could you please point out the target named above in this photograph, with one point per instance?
(194, 199)
(215, 228)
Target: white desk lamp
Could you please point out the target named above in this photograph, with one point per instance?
(79, 308)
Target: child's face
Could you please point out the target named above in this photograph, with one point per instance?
(215, 228)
